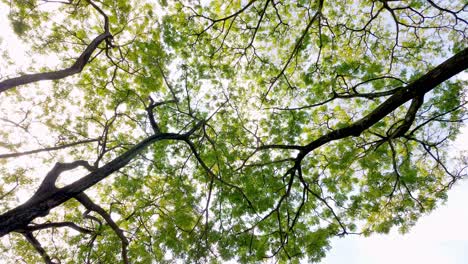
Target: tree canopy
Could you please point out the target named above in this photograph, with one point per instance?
(206, 131)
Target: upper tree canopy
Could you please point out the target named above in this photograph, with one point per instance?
(206, 131)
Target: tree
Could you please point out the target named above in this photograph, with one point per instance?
(246, 130)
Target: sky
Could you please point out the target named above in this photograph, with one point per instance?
(440, 237)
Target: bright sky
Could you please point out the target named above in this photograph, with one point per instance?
(441, 237)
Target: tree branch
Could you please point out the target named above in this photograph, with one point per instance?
(40, 205)
(48, 184)
(71, 225)
(19, 154)
(90, 205)
(77, 67)
(37, 245)
(418, 88)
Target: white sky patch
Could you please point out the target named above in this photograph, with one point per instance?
(440, 237)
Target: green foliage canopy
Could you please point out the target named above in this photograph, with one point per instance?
(206, 131)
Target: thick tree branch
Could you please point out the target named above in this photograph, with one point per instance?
(37, 245)
(418, 88)
(77, 67)
(48, 184)
(409, 117)
(41, 203)
(90, 205)
(150, 109)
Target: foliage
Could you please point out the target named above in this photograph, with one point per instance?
(207, 131)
